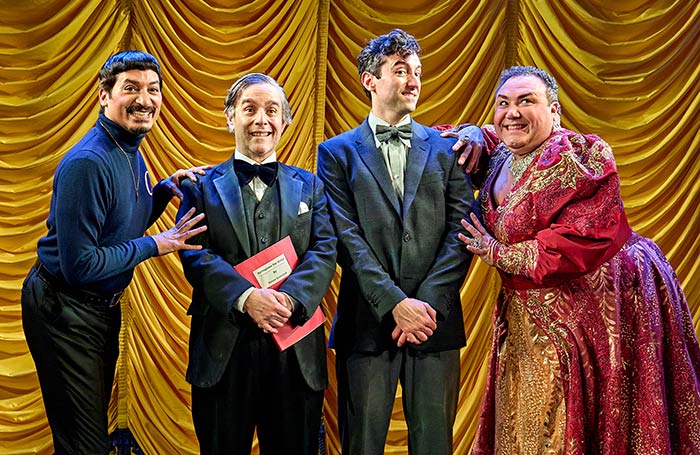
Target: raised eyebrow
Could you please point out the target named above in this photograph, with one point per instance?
(138, 83)
(524, 95)
(245, 101)
(404, 63)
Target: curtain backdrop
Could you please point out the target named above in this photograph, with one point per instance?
(628, 71)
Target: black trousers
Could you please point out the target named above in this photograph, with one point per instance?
(261, 388)
(75, 346)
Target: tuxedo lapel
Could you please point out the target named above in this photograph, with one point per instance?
(373, 159)
(290, 198)
(230, 193)
(415, 163)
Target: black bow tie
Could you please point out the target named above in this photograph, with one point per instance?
(246, 172)
(384, 133)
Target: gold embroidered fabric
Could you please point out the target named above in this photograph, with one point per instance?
(530, 407)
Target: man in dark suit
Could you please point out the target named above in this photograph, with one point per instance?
(396, 195)
(240, 380)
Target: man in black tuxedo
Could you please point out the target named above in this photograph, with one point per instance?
(240, 380)
(397, 195)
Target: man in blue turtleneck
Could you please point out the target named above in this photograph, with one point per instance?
(102, 204)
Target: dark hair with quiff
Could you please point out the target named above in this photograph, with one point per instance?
(395, 42)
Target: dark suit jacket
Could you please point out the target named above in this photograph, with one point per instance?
(216, 285)
(390, 250)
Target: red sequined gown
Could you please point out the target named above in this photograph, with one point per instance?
(594, 349)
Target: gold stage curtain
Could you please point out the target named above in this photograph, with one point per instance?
(628, 71)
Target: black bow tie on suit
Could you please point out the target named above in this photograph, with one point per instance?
(246, 172)
(384, 133)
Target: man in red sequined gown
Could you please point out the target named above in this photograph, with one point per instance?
(594, 349)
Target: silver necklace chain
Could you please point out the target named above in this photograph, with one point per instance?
(134, 178)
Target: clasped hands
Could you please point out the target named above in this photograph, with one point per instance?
(269, 309)
(415, 321)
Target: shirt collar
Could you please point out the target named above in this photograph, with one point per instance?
(373, 121)
(239, 156)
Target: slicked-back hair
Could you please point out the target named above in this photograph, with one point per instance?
(395, 42)
(550, 83)
(126, 61)
(234, 93)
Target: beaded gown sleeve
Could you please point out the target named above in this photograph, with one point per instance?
(568, 206)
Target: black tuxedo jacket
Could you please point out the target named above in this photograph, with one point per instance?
(216, 285)
(390, 250)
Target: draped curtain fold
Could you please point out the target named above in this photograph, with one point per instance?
(628, 71)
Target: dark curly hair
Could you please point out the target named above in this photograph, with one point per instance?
(395, 42)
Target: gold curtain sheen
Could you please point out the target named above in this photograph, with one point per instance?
(628, 71)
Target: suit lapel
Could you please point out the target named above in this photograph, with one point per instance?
(290, 198)
(230, 193)
(373, 159)
(415, 163)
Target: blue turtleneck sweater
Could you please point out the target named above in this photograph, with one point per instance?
(96, 224)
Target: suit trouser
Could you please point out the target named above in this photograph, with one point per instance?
(75, 346)
(367, 384)
(260, 387)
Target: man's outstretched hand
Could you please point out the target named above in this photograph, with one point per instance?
(174, 238)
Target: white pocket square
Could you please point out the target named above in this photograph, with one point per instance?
(303, 208)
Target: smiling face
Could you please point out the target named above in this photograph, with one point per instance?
(523, 116)
(134, 101)
(257, 121)
(396, 92)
